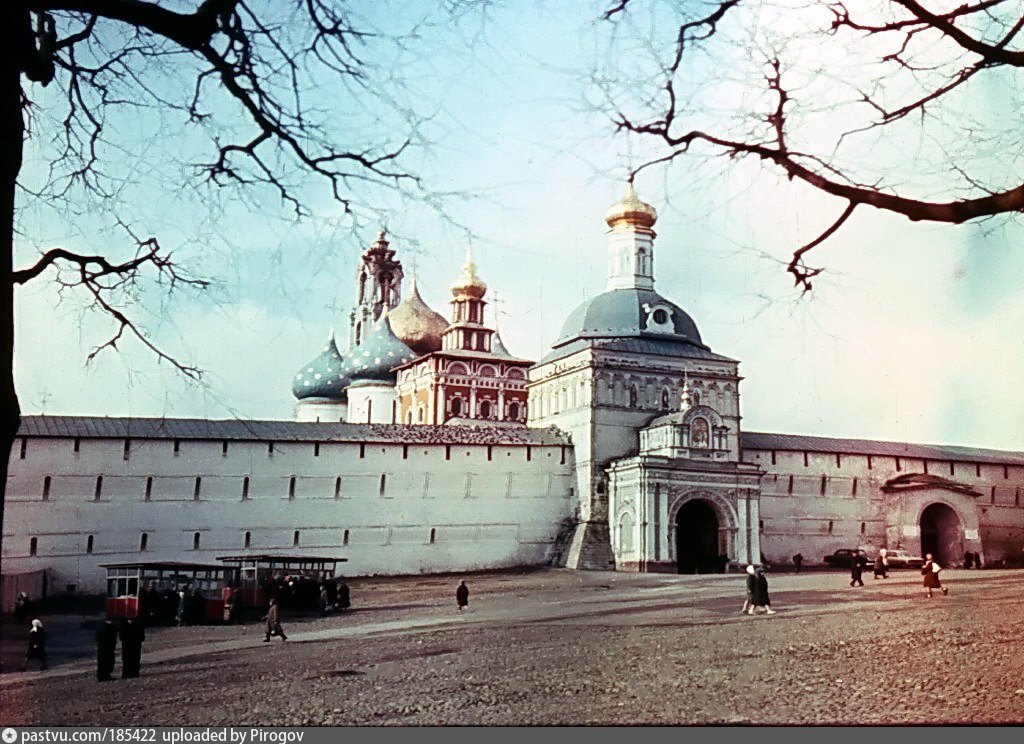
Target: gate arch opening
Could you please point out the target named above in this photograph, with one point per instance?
(697, 543)
(941, 534)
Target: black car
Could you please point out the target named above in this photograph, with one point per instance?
(842, 558)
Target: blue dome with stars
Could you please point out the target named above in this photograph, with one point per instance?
(323, 377)
(378, 352)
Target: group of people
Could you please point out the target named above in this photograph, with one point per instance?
(972, 560)
(132, 634)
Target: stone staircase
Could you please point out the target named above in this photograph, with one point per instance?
(590, 548)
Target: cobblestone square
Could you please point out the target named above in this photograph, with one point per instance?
(562, 647)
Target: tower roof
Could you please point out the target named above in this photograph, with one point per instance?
(468, 283)
(379, 351)
(631, 210)
(323, 377)
(417, 325)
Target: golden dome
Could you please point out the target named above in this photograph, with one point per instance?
(468, 283)
(631, 210)
(416, 324)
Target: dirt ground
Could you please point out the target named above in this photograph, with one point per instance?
(564, 647)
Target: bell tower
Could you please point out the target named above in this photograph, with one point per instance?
(378, 284)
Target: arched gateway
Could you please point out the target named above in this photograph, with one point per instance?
(697, 542)
(941, 533)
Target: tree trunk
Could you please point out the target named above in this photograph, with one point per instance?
(13, 21)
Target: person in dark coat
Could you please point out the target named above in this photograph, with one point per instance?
(857, 568)
(761, 599)
(881, 570)
(930, 572)
(968, 559)
(36, 645)
(106, 646)
(21, 607)
(977, 560)
(748, 603)
(798, 560)
(273, 622)
(462, 595)
(344, 600)
(132, 636)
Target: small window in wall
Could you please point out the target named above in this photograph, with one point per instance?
(773, 457)
(78, 443)
(830, 525)
(632, 396)
(485, 409)
(177, 447)
(99, 488)
(143, 542)
(925, 463)
(898, 465)
(248, 539)
(46, 488)
(977, 469)
(197, 489)
(513, 411)
(149, 489)
(337, 487)
(245, 488)
(127, 448)
(291, 488)
(870, 462)
(760, 524)
(863, 527)
(270, 448)
(224, 447)
(89, 544)
(806, 463)
(952, 469)
(993, 496)
(316, 449)
(433, 536)
(824, 483)
(295, 539)
(839, 460)
(789, 487)
(664, 393)
(1006, 470)
(1016, 497)
(344, 538)
(24, 444)
(33, 545)
(383, 483)
(854, 491)
(195, 541)
(456, 406)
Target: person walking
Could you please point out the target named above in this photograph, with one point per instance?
(462, 595)
(762, 602)
(748, 603)
(930, 571)
(798, 560)
(344, 597)
(881, 568)
(857, 569)
(132, 636)
(106, 646)
(36, 645)
(273, 626)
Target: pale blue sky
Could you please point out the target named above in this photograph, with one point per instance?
(916, 332)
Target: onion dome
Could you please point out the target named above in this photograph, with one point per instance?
(379, 351)
(626, 313)
(416, 324)
(631, 210)
(323, 377)
(468, 283)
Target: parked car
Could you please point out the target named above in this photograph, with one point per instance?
(899, 558)
(842, 558)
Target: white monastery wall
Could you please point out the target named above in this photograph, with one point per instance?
(386, 507)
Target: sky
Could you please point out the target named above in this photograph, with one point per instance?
(915, 332)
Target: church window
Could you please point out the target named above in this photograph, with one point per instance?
(420, 414)
(699, 433)
(127, 448)
(839, 461)
(316, 449)
(513, 411)
(78, 443)
(977, 469)
(344, 538)
(870, 462)
(143, 542)
(824, 483)
(625, 534)
(89, 543)
(177, 447)
(993, 497)
(99, 488)
(806, 464)
(660, 316)
(383, 483)
(433, 535)
(664, 399)
(854, 488)
(245, 488)
(456, 406)
(46, 488)
(224, 447)
(195, 541)
(33, 546)
(898, 466)
(291, 488)
(295, 539)
(952, 470)
(337, 487)
(248, 540)
(485, 409)
(773, 457)
(695, 397)
(1006, 472)
(195, 490)
(149, 489)
(789, 488)
(270, 448)
(632, 396)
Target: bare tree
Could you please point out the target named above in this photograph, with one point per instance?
(916, 61)
(241, 71)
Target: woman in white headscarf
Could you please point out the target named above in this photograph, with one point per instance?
(36, 645)
(748, 604)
